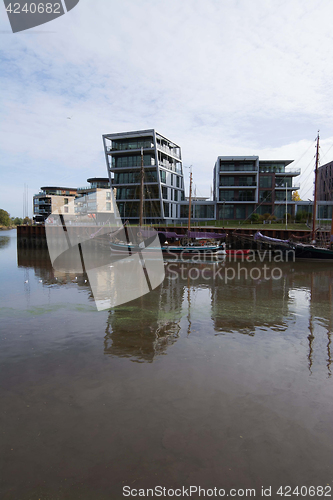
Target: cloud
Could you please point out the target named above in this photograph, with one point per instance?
(216, 77)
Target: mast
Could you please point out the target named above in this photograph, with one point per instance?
(313, 234)
(141, 189)
(189, 206)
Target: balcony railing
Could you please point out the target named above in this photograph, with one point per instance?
(169, 151)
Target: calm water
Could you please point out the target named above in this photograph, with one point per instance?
(197, 383)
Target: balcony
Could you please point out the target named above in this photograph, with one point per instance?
(169, 151)
(289, 173)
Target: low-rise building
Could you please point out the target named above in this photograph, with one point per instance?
(51, 199)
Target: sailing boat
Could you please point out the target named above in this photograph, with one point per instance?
(190, 248)
(136, 241)
(302, 250)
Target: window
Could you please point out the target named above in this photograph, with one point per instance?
(227, 194)
(265, 196)
(108, 206)
(163, 176)
(108, 195)
(166, 209)
(164, 192)
(66, 210)
(65, 201)
(281, 195)
(227, 180)
(265, 181)
(226, 211)
(245, 195)
(246, 181)
(240, 212)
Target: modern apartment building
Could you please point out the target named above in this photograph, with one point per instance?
(50, 199)
(325, 182)
(95, 199)
(244, 185)
(163, 175)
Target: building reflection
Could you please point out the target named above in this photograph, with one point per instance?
(147, 327)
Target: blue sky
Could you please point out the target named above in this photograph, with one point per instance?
(217, 77)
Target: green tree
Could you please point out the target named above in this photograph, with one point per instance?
(17, 221)
(27, 221)
(4, 218)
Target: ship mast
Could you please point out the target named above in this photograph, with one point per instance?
(313, 234)
(189, 207)
(142, 174)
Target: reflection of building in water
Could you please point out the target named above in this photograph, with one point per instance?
(243, 304)
(147, 326)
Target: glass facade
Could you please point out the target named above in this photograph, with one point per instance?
(265, 181)
(281, 195)
(237, 167)
(128, 144)
(132, 161)
(134, 177)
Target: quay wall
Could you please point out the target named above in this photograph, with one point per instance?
(34, 236)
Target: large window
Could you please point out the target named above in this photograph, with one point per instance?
(281, 195)
(204, 211)
(227, 180)
(246, 180)
(240, 212)
(265, 196)
(237, 166)
(126, 144)
(265, 181)
(134, 177)
(133, 193)
(226, 211)
(132, 161)
(246, 195)
(227, 195)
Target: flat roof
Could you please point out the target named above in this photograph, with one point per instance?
(60, 188)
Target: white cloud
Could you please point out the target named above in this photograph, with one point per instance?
(216, 77)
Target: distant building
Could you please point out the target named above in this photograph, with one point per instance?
(325, 182)
(163, 172)
(93, 199)
(244, 185)
(50, 199)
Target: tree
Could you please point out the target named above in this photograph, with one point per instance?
(4, 218)
(27, 221)
(295, 196)
(17, 221)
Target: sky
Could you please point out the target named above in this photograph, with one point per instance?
(218, 77)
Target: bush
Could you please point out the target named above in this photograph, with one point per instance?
(255, 218)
